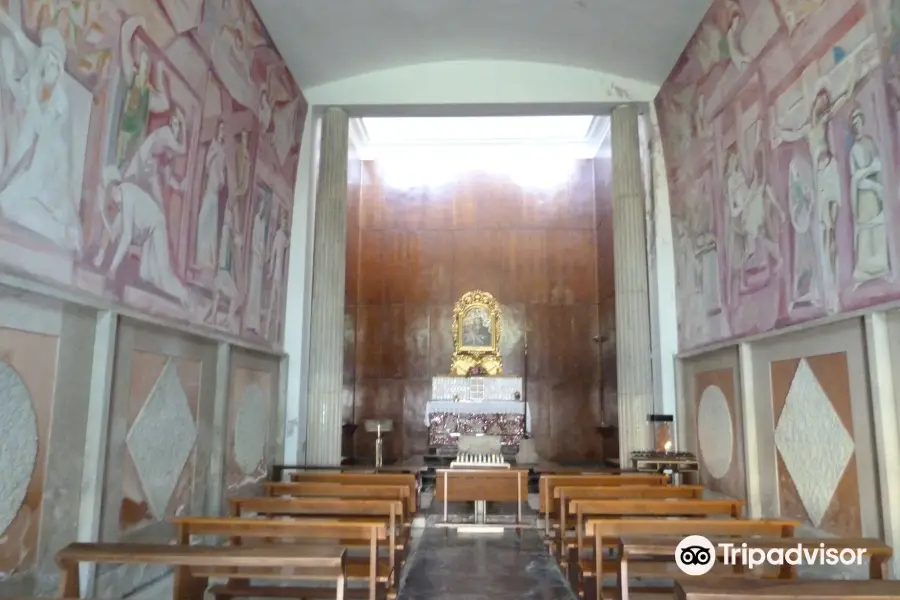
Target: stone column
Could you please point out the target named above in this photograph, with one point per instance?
(634, 363)
(323, 436)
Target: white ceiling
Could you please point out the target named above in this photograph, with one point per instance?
(328, 40)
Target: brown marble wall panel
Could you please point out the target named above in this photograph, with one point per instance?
(603, 238)
(32, 357)
(146, 371)
(733, 481)
(421, 247)
(843, 513)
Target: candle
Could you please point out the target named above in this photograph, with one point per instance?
(668, 446)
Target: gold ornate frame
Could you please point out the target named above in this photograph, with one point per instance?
(483, 359)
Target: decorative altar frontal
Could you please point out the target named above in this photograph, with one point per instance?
(472, 405)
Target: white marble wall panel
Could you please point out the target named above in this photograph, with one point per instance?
(469, 389)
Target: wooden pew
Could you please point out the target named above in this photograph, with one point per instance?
(662, 548)
(576, 550)
(195, 564)
(407, 479)
(607, 533)
(346, 510)
(547, 483)
(266, 531)
(703, 588)
(565, 494)
(340, 490)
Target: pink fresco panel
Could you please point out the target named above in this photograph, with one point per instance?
(110, 202)
(793, 101)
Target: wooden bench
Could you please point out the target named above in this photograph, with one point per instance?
(195, 564)
(607, 533)
(574, 551)
(547, 483)
(340, 490)
(346, 510)
(407, 479)
(662, 548)
(703, 588)
(371, 568)
(565, 494)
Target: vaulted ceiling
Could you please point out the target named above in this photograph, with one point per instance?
(329, 40)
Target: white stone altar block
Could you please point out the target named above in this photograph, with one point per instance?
(476, 389)
(480, 444)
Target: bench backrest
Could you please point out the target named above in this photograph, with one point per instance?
(267, 506)
(407, 479)
(503, 485)
(339, 490)
(663, 508)
(600, 528)
(237, 528)
(566, 494)
(547, 483)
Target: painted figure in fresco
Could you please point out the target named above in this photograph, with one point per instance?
(36, 189)
(141, 96)
(151, 165)
(215, 188)
(719, 43)
(230, 50)
(871, 260)
(258, 238)
(230, 243)
(242, 166)
(277, 263)
(265, 111)
(796, 11)
(805, 288)
(827, 179)
(139, 220)
(705, 249)
(751, 207)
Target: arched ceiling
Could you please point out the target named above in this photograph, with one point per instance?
(324, 41)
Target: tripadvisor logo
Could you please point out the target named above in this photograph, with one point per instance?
(696, 555)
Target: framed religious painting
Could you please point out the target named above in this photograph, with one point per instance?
(476, 335)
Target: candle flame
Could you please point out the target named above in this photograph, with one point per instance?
(668, 446)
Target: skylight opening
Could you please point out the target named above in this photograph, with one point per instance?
(433, 130)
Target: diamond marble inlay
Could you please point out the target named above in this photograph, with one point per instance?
(162, 438)
(815, 445)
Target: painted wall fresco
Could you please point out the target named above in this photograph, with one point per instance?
(148, 153)
(780, 126)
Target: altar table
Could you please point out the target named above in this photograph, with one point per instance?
(481, 485)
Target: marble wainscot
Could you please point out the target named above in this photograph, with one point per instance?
(461, 406)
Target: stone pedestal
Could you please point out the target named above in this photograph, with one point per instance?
(327, 311)
(634, 368)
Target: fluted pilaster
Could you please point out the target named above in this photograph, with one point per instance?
(634, 368)
(323, 438)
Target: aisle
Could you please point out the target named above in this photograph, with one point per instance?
(448, 566)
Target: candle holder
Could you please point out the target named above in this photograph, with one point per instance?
(662, 433)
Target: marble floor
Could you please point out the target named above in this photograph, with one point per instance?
(445, 565)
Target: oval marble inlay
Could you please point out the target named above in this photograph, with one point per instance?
(715, 431)
(250, 428)
(18, 443)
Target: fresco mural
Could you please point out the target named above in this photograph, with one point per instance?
(148, 154)
(779, 126)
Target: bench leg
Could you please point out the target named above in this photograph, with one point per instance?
(69, 582)
(341, 588)
(186, 586)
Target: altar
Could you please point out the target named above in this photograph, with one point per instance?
(476, 399)
(462, 406)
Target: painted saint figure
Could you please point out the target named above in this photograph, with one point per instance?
(276, 274)
(36, 189)
(259, 233)
(140, 220)
(870, 241)
(805, 285)
(151, 165)
(827, 179)
(229, 245)
(141, 96)
(215, 188)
